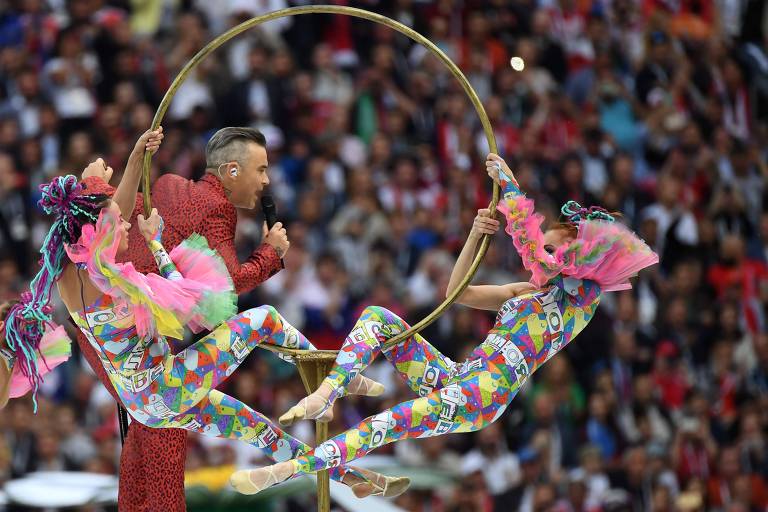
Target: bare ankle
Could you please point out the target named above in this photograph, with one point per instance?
(324, 391)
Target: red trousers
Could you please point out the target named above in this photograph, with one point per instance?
(152, 461)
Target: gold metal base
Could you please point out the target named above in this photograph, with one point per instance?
(314, 366)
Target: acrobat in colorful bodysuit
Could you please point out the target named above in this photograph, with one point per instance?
(127, 326)
(529, 329)
(455, 397)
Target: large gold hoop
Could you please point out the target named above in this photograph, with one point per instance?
(378, 18)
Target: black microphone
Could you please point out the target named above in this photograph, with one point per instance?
(269, 209)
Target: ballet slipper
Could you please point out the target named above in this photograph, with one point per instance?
(304, 411)
(251, 481)
(323, 412)
(364, 386)
(377, 484)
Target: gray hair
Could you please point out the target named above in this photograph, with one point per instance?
(229, 144)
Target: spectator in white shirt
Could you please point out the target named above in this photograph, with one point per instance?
(500, 467)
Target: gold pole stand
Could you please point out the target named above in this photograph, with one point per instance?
(313, 366)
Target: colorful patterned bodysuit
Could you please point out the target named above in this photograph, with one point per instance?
(163, 390)
(454, 397)
(529, 330)
(147, 482)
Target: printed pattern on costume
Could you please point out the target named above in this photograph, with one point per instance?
(149, 482)
(463, 397)
(164, 262)
(529, 330)
(202, 298)
(146, 481)
(418, 363)
(161, 390)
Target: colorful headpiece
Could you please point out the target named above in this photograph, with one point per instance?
(575, 213)
(72, 204)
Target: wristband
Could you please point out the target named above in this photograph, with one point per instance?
(8, 358)
(162, 259)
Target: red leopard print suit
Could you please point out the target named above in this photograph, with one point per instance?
(150, 483)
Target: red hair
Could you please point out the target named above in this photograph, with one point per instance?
(571, 229)
(97, 187)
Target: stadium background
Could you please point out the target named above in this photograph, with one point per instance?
(656, 108)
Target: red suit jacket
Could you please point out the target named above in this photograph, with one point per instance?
(152, 460)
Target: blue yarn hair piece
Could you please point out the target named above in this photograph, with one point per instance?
(575, 213)
(28, 319)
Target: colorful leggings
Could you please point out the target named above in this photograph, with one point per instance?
(184, 395)
(454, 397)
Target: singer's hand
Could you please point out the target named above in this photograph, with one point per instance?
(277, 238)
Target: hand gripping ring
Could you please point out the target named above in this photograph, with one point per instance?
(378, 18)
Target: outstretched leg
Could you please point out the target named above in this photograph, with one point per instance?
(467, 403)
(219, 354)
(183, 395)
(418, 363)
(220, 415)
(188, 376)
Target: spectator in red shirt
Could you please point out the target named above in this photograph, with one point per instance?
(693, 450)
(670, 376)
(737, 272)
(479, 39)
(555, 124)
(721, 488)
(725, 382)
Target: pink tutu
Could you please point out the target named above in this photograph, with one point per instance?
(206, 273)
(55, 347)
(606, 252)
(204, 297)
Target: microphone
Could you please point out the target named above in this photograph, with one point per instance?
(269, 209)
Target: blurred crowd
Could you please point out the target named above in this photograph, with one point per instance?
(654, 108)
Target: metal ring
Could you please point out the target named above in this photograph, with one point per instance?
(378, 18)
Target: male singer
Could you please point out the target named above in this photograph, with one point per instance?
(236, 174)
